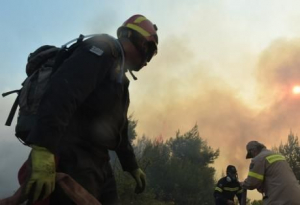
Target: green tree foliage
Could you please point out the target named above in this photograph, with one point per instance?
(192, 147)
(178, 171)
(257, 202)
(132, 123)
(291, 151)
(248, 201)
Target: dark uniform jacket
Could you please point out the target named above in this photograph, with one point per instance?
(226, 191)
(83, 113)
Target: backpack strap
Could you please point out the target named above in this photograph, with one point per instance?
(113, 43)
(13, 108)
(122, 61)
(10, 92)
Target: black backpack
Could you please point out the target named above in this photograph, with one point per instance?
(41, 64)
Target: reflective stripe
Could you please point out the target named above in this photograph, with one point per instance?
(274, 158)
(231, 189)
(140, 19)
(255, 175)
(241, 191)
(218, 189)
(138, 29)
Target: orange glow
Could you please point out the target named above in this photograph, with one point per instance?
(296, 89)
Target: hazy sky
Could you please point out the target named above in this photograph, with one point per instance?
(228, 66)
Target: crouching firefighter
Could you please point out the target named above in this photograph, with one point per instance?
(271, 175)
(83, 113)
(228, 187)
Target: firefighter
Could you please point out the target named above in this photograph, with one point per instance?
(228, 187)
(83, 114)
(271, 175)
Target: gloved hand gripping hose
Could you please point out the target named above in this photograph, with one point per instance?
(41, 180)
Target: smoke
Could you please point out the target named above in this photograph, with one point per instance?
(278, 70)
(176, 93)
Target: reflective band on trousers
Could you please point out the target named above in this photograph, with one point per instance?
(218, 189)
(231, 189)
(255, 175)
(274, 158)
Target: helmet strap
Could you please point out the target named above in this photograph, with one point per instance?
(133, 76)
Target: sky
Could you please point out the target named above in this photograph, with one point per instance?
(228, 66)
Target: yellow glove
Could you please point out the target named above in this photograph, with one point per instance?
(41, 181)
(140, 178)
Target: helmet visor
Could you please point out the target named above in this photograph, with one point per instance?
(151, 51)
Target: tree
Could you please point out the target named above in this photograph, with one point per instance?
(192, 147)
(248, 202)
(132, 123)
(179, 169)
(291, 151)
(257, 202)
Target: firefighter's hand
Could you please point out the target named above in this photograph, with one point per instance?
(41, 181)
(230, 202)
(140, 178)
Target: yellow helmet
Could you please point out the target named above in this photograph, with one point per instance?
(139, 30)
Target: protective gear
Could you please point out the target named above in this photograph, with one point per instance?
(41, 181)
(79, 121)
(228, 179)
(225, 191)
(140, 178)
(142, 33)
(270, 173)
(231, 173)
(141, 25)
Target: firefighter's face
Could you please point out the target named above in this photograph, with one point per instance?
(253, 152)
(232, 175)
(134, 57)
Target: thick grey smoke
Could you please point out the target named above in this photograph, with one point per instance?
(176, 94)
